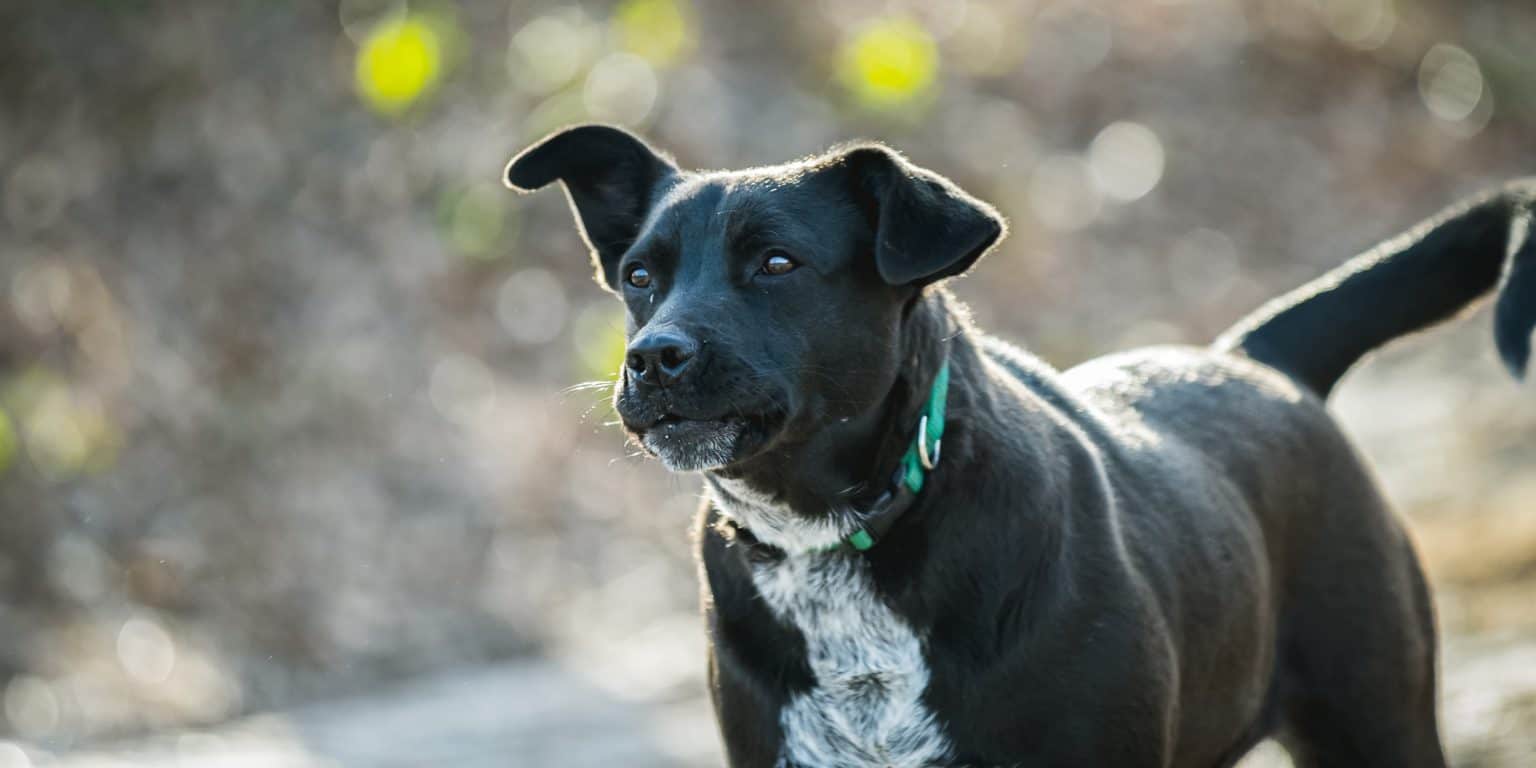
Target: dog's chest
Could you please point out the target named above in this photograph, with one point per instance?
(867, 707)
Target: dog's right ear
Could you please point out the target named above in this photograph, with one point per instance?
(926, 227)
(611, 178)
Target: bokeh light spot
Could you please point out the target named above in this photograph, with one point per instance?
(31, 707)
(889, 63)
(660, 31)
(553, 49)
(400, 61)
(1362, 24)
(984, 45)
(146, 651)
(67, 432)
(1450, 83)
(12, 756)
(1126, 160)
(621, 88)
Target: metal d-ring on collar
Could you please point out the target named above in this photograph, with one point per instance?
(929, 462)
(921, 457)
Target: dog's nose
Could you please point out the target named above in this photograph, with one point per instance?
(660, 358)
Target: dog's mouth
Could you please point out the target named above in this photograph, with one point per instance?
(677, 426)
(686, 443)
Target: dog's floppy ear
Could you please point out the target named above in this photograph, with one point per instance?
(611, 178)
(926, 227)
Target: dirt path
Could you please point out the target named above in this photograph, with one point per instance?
(538, 713)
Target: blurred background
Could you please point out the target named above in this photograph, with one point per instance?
(294, 467)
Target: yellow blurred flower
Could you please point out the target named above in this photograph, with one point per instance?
(888, 63)
(660, 31)
(400, 61)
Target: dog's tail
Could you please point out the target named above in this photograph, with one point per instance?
(1426, 275)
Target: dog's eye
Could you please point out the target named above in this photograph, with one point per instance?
(778, 263)
(638, 276)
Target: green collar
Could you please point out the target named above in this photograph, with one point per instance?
(922, 457)
(923, 454)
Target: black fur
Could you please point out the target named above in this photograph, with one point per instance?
(1154, 559)
(926, 228)
(611, 178)
(1415, 280)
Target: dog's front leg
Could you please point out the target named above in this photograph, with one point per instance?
(747, 714)
(755, 662)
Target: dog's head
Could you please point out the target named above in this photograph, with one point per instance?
(766, 304)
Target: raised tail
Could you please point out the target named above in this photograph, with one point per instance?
(1420, 278)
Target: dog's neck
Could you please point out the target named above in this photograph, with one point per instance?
(805, 495)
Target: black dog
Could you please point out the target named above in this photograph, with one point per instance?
(1157, 558)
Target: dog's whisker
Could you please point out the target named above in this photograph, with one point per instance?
(588, 385)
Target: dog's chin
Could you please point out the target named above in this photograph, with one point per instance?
(696, 445)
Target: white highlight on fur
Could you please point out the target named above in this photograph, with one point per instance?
(774, 523)
(710, 452)
(867, 707)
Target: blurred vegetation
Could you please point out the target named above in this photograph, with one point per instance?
(399, 62)
(287, 380)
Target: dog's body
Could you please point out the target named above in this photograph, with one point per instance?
(1121, 567)
(1154, 559)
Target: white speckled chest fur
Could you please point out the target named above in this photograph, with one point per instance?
(867, 707)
